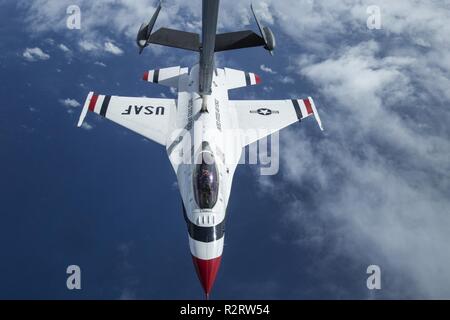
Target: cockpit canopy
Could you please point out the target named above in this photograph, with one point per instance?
(206, 181)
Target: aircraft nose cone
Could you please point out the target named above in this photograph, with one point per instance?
(207, 271)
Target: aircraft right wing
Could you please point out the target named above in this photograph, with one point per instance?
(260, 118)
(148, 117)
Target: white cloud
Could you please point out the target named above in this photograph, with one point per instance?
(99, 63)
(268, 89)
(70, 103)
(266, 69)
(88, 45)
(50, 41)
(94, 47)
(64, 48)
(376, 182)
(286, 80)
(86, 126)
(112, 48)
(380, 176)
(35, 54)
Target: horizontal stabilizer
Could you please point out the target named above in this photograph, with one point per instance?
(176, 39)
(238, 79)
(167, 76)
(238, 40)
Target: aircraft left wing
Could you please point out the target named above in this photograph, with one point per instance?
(148, 117)
(260, 118)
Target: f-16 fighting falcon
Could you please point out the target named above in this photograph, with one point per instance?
(202, 130)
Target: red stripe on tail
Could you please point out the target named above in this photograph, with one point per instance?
(257, 79)
(93, 102)
(309, 108)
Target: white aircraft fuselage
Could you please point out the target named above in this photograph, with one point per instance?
(206, 172)
(203, 131)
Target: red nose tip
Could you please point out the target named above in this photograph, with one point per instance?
(207, 271)
(145, 76)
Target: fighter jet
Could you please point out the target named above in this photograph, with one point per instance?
(203, 131)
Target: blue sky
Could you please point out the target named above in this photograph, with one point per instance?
(372, 189)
